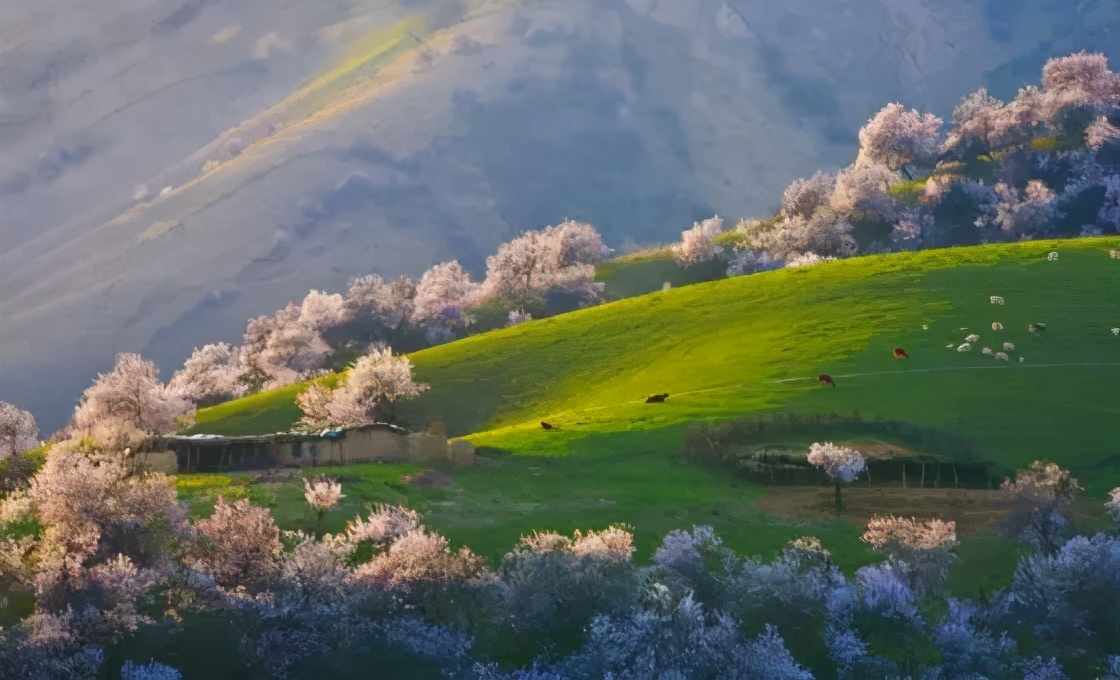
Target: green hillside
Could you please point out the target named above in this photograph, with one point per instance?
(735, 346)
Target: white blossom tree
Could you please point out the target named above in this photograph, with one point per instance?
(18, 430)
(131, 396)
(896, 137)
(840, 463)
(698, 244)
(377, 380)
(210, 374)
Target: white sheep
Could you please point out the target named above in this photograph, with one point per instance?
(1052, 255)
(972, 338)
(964, 348)
(1002, 356)
(950, 346)
(996, 300)
(997, 326)
(1116, 331)
(1114, 254)
(1021, 360)
(987, 351)
(1008, 347)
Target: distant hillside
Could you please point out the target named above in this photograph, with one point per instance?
(757, 343)
(335, 144)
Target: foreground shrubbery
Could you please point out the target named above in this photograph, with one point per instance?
(105, 553)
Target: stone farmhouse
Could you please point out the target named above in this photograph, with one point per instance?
(337, 446)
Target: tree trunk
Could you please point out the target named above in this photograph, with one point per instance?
(956, 480)
(904, 475)
(923, 475)
(839, 505)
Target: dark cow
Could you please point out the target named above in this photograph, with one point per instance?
(827, 379)
(900, 353)
(658, 398)
(547, 426)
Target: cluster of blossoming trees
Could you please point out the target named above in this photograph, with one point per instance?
(1046, 164)
(105, 551)
(551, 269)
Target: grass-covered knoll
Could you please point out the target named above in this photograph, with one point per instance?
(744, 345)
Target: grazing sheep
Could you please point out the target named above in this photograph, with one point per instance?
(1002, 356)
(972, 338)
(658, 398)
(997, 326)
(963, 328)
(1051, 256)
(950, 346)
(1116, 331)
(987, 351)
(1114, 254)
(1021, 360)
(964, 348)
(1032, 329)
(996, 300)
(1008, 347)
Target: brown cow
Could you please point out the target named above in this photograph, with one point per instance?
(658, 398)
(547, 426)
(827, 379)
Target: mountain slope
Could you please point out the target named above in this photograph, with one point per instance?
(340, 157)
(757, 343)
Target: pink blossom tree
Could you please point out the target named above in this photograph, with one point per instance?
(18, 430)
(863, 191)
(1110, 210)
(896, 138)
(239, 545)
(804, 197)
(1078, 81)
(388, 303)
(131, 396)
(840, 463)
(210, 374)
(1018, 214)
(825, 234)
(1101, 133)
(314, 403)
(322, 311)
(443, 295)
(376, 382)
(538, 261)
(921, 549)
(976, 120)
(277, 350)
(1037, 497)
(698, 244)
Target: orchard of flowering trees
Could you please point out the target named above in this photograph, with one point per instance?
(1045, 164)
(105, 552)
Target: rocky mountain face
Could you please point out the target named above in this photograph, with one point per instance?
(169, 169)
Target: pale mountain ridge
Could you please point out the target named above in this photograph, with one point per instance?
(639, 116)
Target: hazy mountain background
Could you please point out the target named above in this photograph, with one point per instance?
(333, 150)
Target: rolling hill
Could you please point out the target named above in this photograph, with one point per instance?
(747, 345)
(171, 169)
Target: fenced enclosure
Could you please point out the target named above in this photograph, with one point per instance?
(772, 450)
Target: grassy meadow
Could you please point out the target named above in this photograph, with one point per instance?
(733, 347)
